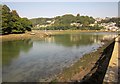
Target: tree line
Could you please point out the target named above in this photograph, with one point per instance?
(69, 18)
(12, 22)
(64, 22)
(40, 21)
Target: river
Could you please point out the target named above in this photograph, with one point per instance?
(34, 60)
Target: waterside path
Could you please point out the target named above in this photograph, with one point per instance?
(113, 70)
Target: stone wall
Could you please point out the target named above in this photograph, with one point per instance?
(97, 73)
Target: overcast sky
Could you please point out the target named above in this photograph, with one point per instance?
(51, 9)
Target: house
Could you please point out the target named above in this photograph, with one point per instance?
(76, 24)
(111, 26)
(92, 25)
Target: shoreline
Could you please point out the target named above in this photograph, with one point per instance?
(27, 35)
(81, 67)
(41, 34)
(74, 72)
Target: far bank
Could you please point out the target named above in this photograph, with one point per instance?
(43, 33)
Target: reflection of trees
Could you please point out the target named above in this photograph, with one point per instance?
(78, 39)
(11, 49)
(74, 39)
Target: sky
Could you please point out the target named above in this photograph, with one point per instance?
(52, 9)
(60, 0)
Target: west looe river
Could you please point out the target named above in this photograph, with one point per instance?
(35, 60)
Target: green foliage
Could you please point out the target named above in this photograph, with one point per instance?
(64, 22)
(96, 27)
(12, 23)
(85, 20)
(65, 19)
(58, 27)
(41, 21)
(6, 15)
(27, 24)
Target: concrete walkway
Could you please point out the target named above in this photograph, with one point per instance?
(112, 70)
(119, 60)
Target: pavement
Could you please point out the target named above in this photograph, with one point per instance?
(119, 60)
(113, 71)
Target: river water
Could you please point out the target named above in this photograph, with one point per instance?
(35, 60)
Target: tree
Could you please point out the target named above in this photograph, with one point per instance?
(6, 17)
(16, 23)
(27, 24)
(13, 23)
(65, 19)
(78, 15)
(64, 22)
(14, 13)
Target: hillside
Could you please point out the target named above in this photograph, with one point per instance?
(67, 21)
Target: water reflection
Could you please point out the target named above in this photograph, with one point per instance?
(12, 49)
(70, 40)
(108, 37)
(37, 59)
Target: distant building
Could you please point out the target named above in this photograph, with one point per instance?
(98, 20)
(109, 26)
(92, 25)
(45, 25)
(76, 24)
(48, 21)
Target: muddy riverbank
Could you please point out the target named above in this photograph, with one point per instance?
(97, 73)
(27, 35)
(86, 66)
(78, 69)
(41, 33)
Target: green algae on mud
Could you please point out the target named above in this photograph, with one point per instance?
(63, 40)
(80, 68)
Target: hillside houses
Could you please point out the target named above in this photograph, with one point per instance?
(109, 26)
(105, 26)
(98, 20)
